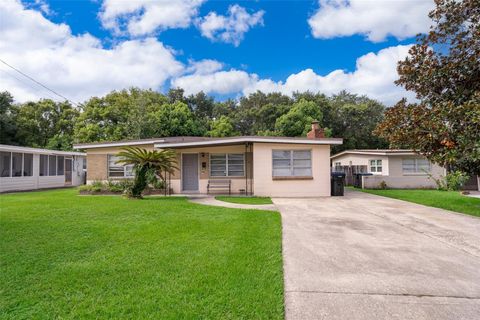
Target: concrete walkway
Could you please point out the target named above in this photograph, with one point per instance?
(474, 194)
(368, 257)
(211, 201)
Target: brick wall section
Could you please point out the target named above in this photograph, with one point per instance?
(97, 167)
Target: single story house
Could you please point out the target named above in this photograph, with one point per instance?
(254, 165)
(23, 168)
(400, 169)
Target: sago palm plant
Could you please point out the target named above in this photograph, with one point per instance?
(161, 161)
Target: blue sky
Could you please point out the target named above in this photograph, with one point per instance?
(225, 48)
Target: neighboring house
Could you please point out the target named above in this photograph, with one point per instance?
(23, 168)
(263, 166)
(397, 168)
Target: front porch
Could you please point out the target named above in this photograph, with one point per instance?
(214, 170)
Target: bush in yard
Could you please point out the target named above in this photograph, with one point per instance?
(453, 181)
(154, 181)
(97, 186)
(144, 161)
(158, 184)
(85, 187)
(383, 185)
(114, 186)
(126, 185)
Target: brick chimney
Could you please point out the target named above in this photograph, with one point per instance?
(316, 131)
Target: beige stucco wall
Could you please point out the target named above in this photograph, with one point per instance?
(399, 180)
(265, 185)
(363, 160)
(396, 169)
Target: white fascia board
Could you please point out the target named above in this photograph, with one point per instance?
(359, 152)
(375, 153)
(114, 144)
(244, 140)
(7, 148)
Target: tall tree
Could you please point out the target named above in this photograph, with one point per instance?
(354, 118)
(297, 121)
(46, 124)
(222, 127)
(176, 120)
(125, 114)
(8, 127)
(443, 69)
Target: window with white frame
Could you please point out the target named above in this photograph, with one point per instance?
(16, 164)
(227, 165)
(116, 170)
(338, 165)
(292, 163)
(376, 166)
(415, 166)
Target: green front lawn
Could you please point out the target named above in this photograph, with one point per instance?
(245, 200)
(449, 200)
(66, 256)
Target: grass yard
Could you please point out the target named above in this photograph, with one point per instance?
(245, 200)
(449, 200)
(66, 256)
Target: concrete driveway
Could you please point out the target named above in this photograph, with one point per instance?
(368, 257)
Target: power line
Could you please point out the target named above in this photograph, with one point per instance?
(28, 84)
(37, 82)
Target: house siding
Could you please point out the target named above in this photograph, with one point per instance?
(42, 182)
(392, 173)
(265, 185)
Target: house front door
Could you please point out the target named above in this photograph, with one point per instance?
(190, 172)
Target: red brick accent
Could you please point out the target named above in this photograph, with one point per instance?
(316, 131)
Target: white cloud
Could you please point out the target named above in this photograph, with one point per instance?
(374, 76)
(143, 17)
(76, 66)
(221, 82)
(205, 66)
(374, 19)
(230, 28)
(80, 66)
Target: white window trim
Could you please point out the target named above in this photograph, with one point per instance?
(376, 166)
(125, 176)
(417, 172)
(291, 163)
(227, 175)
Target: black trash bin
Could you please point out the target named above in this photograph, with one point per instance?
(337, 183)
(357, 180)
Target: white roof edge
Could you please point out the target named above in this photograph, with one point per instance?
(375, 153)
(325, 141)
(115, 144)
(9, 148)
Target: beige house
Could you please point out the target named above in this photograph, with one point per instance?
(256, 165)
(397, 168)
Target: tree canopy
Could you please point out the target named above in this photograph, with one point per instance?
(138, 114)
(443, 69)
